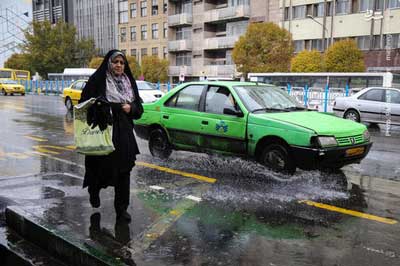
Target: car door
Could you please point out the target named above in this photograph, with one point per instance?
(370, 104)
(181, 117)
(77, 91)
(222, 132)
(393, 99)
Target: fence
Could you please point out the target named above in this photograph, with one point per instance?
(320, 99)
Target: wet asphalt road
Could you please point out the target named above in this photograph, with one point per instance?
(231, 212)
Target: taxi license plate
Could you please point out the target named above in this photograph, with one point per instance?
(354, 151)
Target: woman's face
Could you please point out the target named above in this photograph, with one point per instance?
(118, 65)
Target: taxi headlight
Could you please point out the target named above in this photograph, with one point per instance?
(366, 135)
(327, 141)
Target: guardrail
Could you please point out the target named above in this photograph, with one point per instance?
(317, 98)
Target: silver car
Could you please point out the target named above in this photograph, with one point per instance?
(372, 105)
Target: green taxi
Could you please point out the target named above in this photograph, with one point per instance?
(250, 120)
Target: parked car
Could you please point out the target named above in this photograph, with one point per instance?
(251, 120)
(71, 95)
(372, 105)
(9, 86)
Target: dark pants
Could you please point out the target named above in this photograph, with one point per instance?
(122, 191)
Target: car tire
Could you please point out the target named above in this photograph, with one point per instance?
(352, 115)
(276, 157)
(69, 104)
(22, 94)
(159, 145)
(3, 91)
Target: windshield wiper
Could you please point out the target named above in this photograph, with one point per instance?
(269, 109)
(294, 108)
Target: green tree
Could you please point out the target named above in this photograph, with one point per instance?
(155, 69)
(95, 62)
(51, 48)
(134, 66)
(18, 61)
(264, 48)
(344, 56)
(307, 61)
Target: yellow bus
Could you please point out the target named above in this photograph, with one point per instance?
(14, 74)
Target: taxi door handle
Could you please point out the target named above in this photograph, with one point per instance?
(165, 116)
(204, 122)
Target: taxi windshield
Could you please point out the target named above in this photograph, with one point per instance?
(266, 98)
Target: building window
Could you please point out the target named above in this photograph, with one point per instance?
(154, 7)
(123, 34)
(143, 52)
(133, 52)
(184, 33)
(184, 7)
(393, 3)
(143, 8)
(316, 44)
(366, 5)
(363, 42)
(379, 4)
(154, 31)
(299, 12)
(342, 6)
(319, 10)
(133, 33)
(287, 13)
(376, 42)
(392, 41)
(165, 52)
(154, 51)
(133, 10)
(143, 32)
(184, 59)
(165, 6)
(123, 11)
(165, 30)
(298, 46)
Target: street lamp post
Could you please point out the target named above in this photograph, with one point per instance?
(323, 27)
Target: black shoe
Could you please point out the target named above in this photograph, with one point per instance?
(124, 216)
(94, 200)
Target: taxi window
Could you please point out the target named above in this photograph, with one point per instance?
(217, 99)
(187, 98)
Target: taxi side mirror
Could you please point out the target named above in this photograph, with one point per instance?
(230, 111)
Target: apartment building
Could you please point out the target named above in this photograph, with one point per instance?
(202, 34)
(142, 27)
(97, 20)
(52, 10)
(373, 24)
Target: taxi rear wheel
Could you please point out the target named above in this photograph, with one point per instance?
(276, 157)
(159, 145)
(68, 104)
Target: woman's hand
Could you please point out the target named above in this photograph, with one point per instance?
(126, 108)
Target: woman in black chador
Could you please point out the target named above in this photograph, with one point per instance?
(114, 84)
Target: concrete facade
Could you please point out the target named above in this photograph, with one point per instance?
(142, 28)
(97, 19)
(202, 34)
(375, 28)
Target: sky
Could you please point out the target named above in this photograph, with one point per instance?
(12, 21)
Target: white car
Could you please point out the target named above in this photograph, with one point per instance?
(372, 105)
(148, 92)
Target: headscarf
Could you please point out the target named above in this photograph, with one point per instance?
(118, 88)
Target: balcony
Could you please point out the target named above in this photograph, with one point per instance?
(234, 13)
(184, 19)
(179, 46)
(220, 70)
(220, 42)
(178, 70)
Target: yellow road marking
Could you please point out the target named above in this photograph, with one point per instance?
(177, 172)
(349, 212)
(35, 138)
(17, 155)
(46, 149)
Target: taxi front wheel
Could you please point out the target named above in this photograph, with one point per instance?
(3, 91)
(276, 157)
(159, 145)
(68, 104)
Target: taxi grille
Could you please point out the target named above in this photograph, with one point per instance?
(351, 140)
